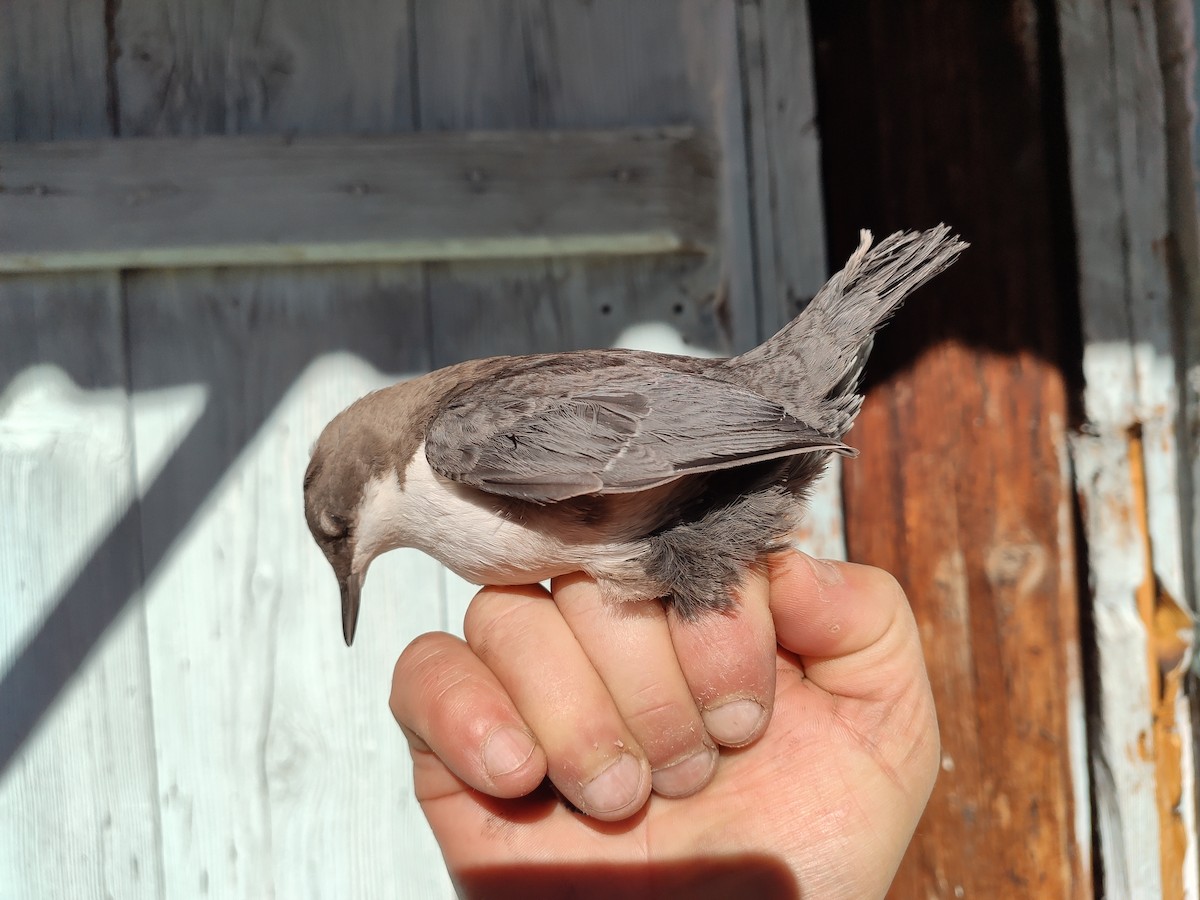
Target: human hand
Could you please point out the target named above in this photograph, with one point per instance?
(823, 804)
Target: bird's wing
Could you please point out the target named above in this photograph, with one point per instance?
(549, 434)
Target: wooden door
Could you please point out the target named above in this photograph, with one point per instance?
(173, 620)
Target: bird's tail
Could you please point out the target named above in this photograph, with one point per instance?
(821, 353)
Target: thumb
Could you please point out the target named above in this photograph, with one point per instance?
(850, 625)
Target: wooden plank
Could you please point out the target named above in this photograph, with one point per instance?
(789, 222)
(315, 797)
(254, 692)
(1128, 457)
(788, 217)
(53, 86)
(1178, 24)
(77, 799)
(963, 488)
(714, 65)
(77, 785)
(1177, 53)
(281, 200)
(553, 67)
(255, 67)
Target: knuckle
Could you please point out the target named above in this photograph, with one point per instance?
(493, 622)
(424, 651)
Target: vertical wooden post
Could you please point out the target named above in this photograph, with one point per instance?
(945, 112)
(1133, 280)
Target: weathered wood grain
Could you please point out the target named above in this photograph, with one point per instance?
(785, 156)
(963, 488)
(277, 769)
(284, 772)
(77, 802)
(1177, 54)
(252, 688)
(53, 86)
(262, 200)
(1128, 455)
(789, 222)
(555, 69)
(77, 786)
(260, 67)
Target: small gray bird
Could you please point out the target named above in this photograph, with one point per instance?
(660, 476)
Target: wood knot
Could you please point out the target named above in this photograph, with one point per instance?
(1015, 566)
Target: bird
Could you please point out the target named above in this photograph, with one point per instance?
(661, 476)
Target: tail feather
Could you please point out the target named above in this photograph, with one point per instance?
(819, 356)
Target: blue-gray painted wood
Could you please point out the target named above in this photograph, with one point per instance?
(200, 728)
(286, 200)
(77, 779)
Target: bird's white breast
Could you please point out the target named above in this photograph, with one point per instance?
(473, 533)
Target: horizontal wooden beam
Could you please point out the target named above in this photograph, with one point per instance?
(215, 201)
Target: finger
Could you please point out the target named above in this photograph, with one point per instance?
(857, 643)
(449, 703)
(592, 757)
(728, 660)
(630, 646)
(850, 624)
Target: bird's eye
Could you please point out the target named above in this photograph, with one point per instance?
(334, 527)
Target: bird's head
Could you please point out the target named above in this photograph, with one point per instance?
(353, 498)
(335, 485)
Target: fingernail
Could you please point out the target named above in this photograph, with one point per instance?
(735, 723)
(687, 776)
(506, 751)
(824, 571)
(614, 788)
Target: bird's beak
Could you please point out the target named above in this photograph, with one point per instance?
(351, 585)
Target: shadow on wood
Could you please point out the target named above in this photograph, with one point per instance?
(270, 336)
(248, 337)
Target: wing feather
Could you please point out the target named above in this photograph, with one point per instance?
(549, 435)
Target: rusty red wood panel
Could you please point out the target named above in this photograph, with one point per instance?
(933, 111)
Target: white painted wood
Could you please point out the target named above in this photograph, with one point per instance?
(77, 783)
(1117, 134)
(276, 768)
(1077, 750)
(785, 156)
(1124, 777)
(77, 801)
(296, 779)
(523, 75)
(155, 203)
(254, 692)
(713, 62)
